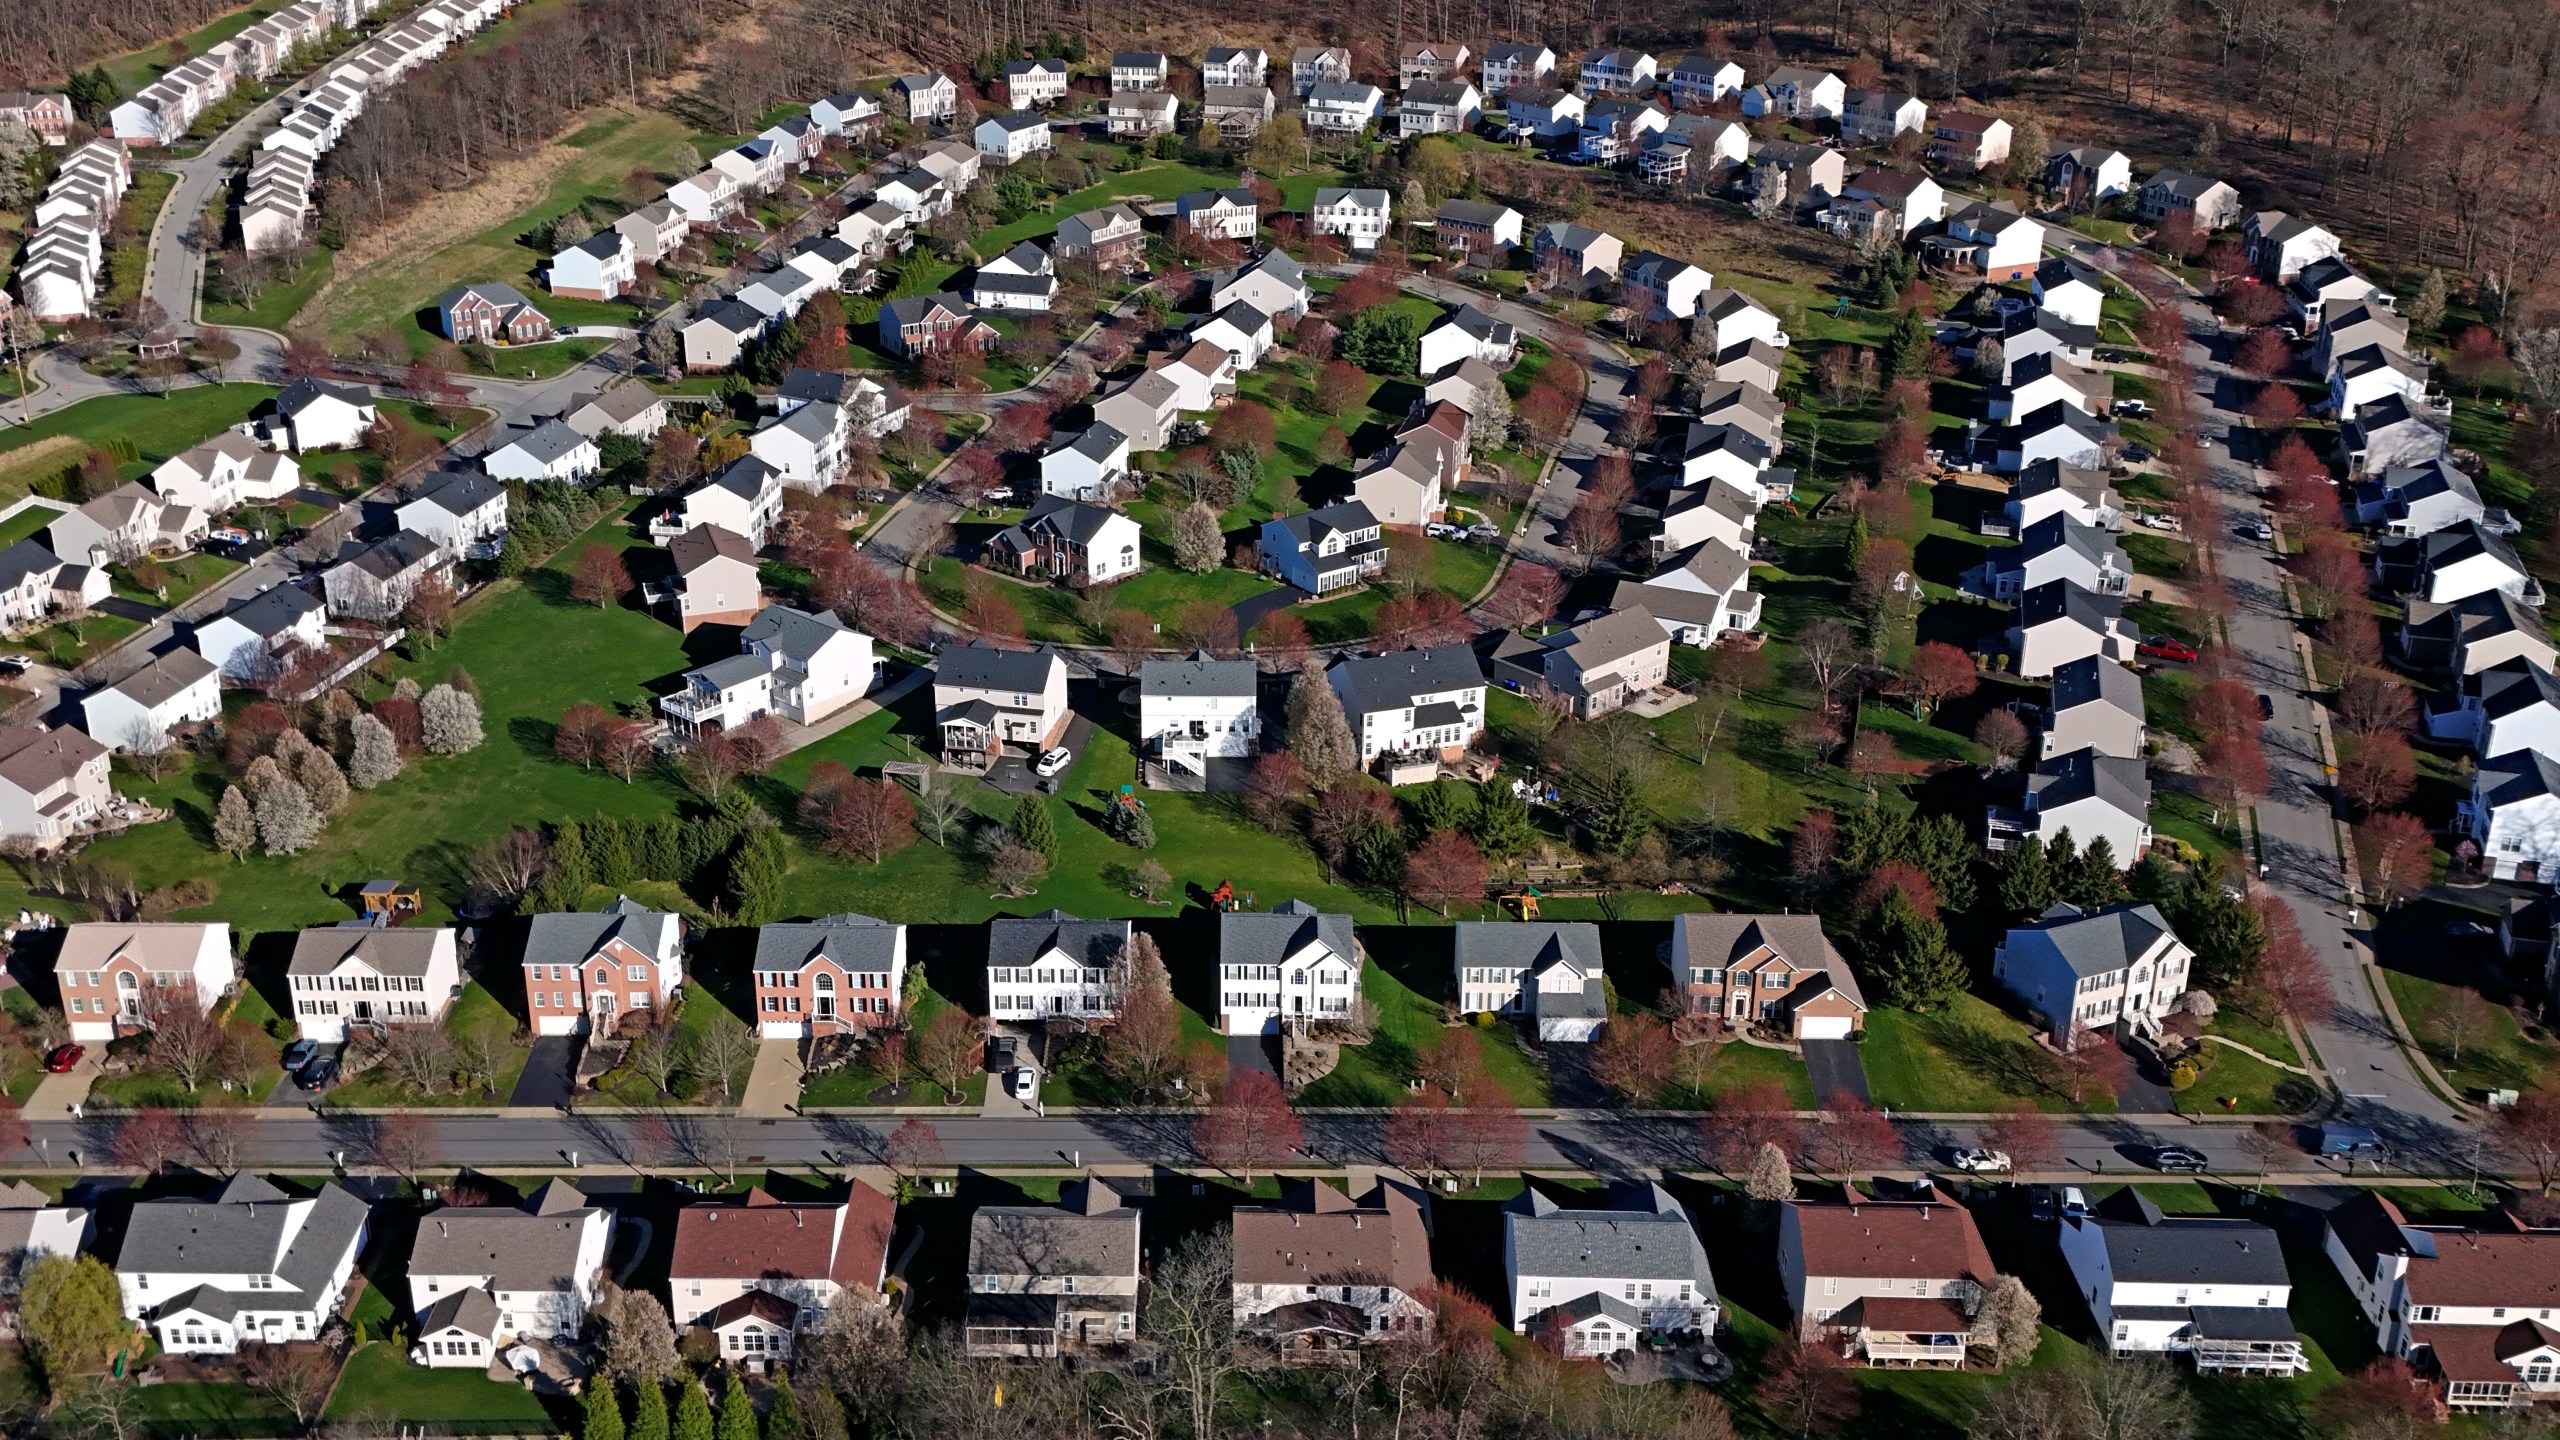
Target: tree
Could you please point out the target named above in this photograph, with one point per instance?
(2014, 1317)
(372, 755)
(184, 1038)
(639, 1344)
(287, 822)
(950, 1048)
(757, 871)
(1015, 868)
(737, 1411)
(1190, 1315)
(2371, 702)
(1746, 1119)
(2378, 770)
(1487, 1135)
(449, 720)
(693, 1410)
(1634, 1057)
(405, 1142)
(873, 819)
(1340, 386)
(2142, 1398)
(600, 578)
(428, 614)
(1855, 1136)
(2383, 1401)
(71, 1314)
(1591, 529)
(2398, 851)
(1938, 672)
(600, 1413)
(2026, 1135)
(1771, 1177)
(1319, 733)
(298, 1378)
(1445, 869)
(1144, 1048)
(1906, 955)
(1806, 1390)
(1249, 1129)
(782, 1421)
(235, 823)
(2277, 407)
(1032, 827)
(1198, 544)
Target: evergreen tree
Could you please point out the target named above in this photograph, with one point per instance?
(2095, 880)
(569, 857)
(512, 561)
(757, 873)
(1858, 538)
(372, 755)
(649, 1410)
(782, 1418)
(1906, 347)
(1319, 733)
(2154, 881)
(1439, 805)
(737, 1411)
(2063, 855)
(2228, 937)
(826, 1415)
(1033, 828)
(1378, 856)
(662, 857)
(693, 1411)
(609, 851)
(235, 823)
(1944, 851)
(1907, 957)
(601, 1413)
(1500, 825)
(1623, 816)
(2027, 882)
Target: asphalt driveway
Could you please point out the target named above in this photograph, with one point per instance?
(1834, 1065)
(550, 1073)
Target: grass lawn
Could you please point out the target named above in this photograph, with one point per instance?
(1970, 1057)
(2494, 1054)
(158, 426)
(136, 68)
(274, 306)
(1404, 983)
(186, 575)
(252, 1012)
(1741, 1066)
(852, 1085)
(27, 522)
(209, 1408)
(474, 1009)
(379, 1384)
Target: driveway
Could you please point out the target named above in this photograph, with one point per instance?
(550, 1074)
(773, 1087)
(1835, 1065)
(56, 1094)
(1253, 1052)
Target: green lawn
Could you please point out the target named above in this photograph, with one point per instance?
(379, 1384)
(210, 1408)
(1406, 990)
(251, 1012)
(275, 306)
(2495, 1055)
(852, 1085)
(26, 523)
(1969, 1058)
(137, 68)
(474, 1009)
(158, 426)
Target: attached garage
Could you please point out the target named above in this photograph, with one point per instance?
(1822, 1027)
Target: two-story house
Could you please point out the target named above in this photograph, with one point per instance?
(1439, 107)
(2505, 708)
(1542, 114)
(1193, 711)
(1343, 107)
(2090, 797)
(114, 975)
(1597, 666)
(548, 451)
(1050, 1278)
(2467, 636)
(358, 976)
(1509, 67)
(248, 1263)
(1885, 1282)
(1274, 284)
(223, 473)
(919, 325)
(2095, 705)
(1776, 971)
(2471, 1307)
(1323, 550)
(1875, 117)
(1600, 1280)
(744, 498)
(2088, 173)
(757, 1271)
(1576, 257)
(1022, 278)
(52, 784)
(1014, 135)
(1071, 540)
(140, 711)
(927, 97)
(1543, 972)
(1359, 216)
(1314, 65)
(1696, 80)
(2513, 816)
(985, 699)
(1235, 65)
(2055, 548)
(1321, 1274)
(1422, 702)
(599, 267)
(2204, 202)
(1139, 114)
(1698, 594)
(1428, 60)
(461, 512)
(1029, 84)
(375, 583)
(493, 313)
(1055, 966)
(2089, 970)
(831, 976)
(800, 665)
(584, 971)
(1795, 92)
(243, 637)
(2058, 622)
(482, 1277)
(1476, 231)
(1109, 238)
(2213, 1287)
(1286, 968)
(1969, 140)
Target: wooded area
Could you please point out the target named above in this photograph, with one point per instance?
(40, 43)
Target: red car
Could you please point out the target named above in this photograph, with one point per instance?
(61, 1058)
(2165, 647)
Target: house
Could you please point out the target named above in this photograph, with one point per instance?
(1775, 971)
(2419, 499)
(2470, 1307)
(357, 976)
(2207, 204)
(2090, 173)
(1875, 117)
(1576, 257)
(1731, 454)
(1509, 67)
(1881, 201)
(2359, 377)
(1546, 972)
(1236, 112)
(2472, 634)
(124, 524)
(1046, 1278)
(1219, 214)
(284, 1261)
(2088, 970)
(918, 193)
(2026, 333)
(2096, 705)
(1466, 333)
(1343, 107)
(2049, 378)
(48, 115)
(52, 784)
(1802, 174)
(1071, 540)
(1023, 278)
(1324, 550)
(312, 415)
(1408, 486)
(105, 969)
(841, 974)
(745, 498)
(2211, 1286)
(482, 1276)
(1616, 72)
(1091, 465)
(625, 407)
(1240, 330)
(490, 313)
(1319, 1274)
(1796, 93)
(1139, 71)
(706, 198)
(1420, 702)
(1029, 84)
(1885, 1282)
(2452, 564)
(549, 451)
(1273, 284)
(2513, 816)
(1696, 81)
(1234, 65)
(1969, 140)
(137, 712)
(1358, 215)
(2279, 245)
(715, 581)
(1314, 65)
(757, 1271)
(1693, 515)
(1994, 240)
(1601, 1279)
(223, 473)
(1109, 238)
(2389, 431)
(856, 110)
(1138, 114)
(985, 699)
(1193, 711)
(243, 637)
(2065, 433)
(781, 292)
(1598, 666)
(919, 325)
(375, 583)
(2056, 548)
(1657, 287)
(1541, 113)
(719, 333)
(1145, 410)
(2090, 796)
(32, 1228)
(2059, 622)
(585, 971)
(1012, 136)
(2505, 708)
(927, 97)
(1616, 130)
(2351, 327)
(35, 582)
(1431, 60)
(1698, 594)
(1469, 387)
(599, 267)
(802, 666)
(2068, 290)
(462, 512)
(1475, 231)
(1054, 965)
(1286, 968)
(1439, 107)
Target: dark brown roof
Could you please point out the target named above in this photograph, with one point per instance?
(702, 544)
(1319, 1236)
(2482, 1352)
(1905, 1315)
(1893, 1240)
(846, 1241)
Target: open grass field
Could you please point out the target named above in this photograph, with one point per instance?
(136, 68)
(275, 306)
(158, 425)
(1972, 1056)
(380, 1385)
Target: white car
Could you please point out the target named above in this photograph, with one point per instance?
(1051, 763)
(1983, 1162)
(1025, 1082)
(2162, 520)
(2258, 530)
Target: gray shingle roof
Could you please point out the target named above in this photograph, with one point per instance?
(1644, 1235)
(2060, 599)
(242, 1229)
(2521, 775)
(1086, 942)
(2146, 1248)
(164, 679)
(547, 442)
(518, 1249)
(2091, 680)
(569, 938)
(797, 634)
(984, 667)
(2123, 784)
(2099, 942)
(460, 492)
(27, 557)
(1527, 944)
(853, 942)
(1390, 682)
(1246, 938)
(470, 1311)
(1199, 675)
(1078, 1237)
(321, 950)
(395, 555)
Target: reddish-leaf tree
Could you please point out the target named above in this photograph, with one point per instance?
(600, 577)
(2476, 355)
(2250, 306)
(1445, 870)
(912, 1148)
(1207, 625)
(2290, 971)
(2331, 573)
(2377, 771)
(990, 617)
(1591, 529)
(2353, 637)
(149, 1140)
(1417, 1133)
(1487, 1135)
(2026, 1135)
(1340, 386)
(2399, 853)
(2278, 407)
(2373, 701)
(1274, 789)
(1744, 1119)
(2223, 707)
(2264, 354)
(1938, 672)
(1452, 1063)
(873, 819)
(580, 738)
(1245, 425)
(1854, 1136)
(1250, 1128)
(2235, 771)
(1634, 1057)
(1896, 875)
(1280, 641)
(2529, 1132)
(2384, 1399)
(1528, 594)
(1806, 1390)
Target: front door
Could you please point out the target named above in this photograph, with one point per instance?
(364, 1009)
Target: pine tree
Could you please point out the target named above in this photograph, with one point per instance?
(1319, 733)
(662, 856)
(782, 1418)
(757, 872)
(569, 856)
(826, 1415)
(1907, 955)
(235, 823)
(1033, 828)
(2096, 881)
(602, 1414)
(449, 720)
(693, 1411)
(1858, 538)
(1500, 826)
(1623, 816)
(2027, 882)
(737, 1412)
(649, 1410)
(321, 780)
(1907, 346)
(372, 755)
(287, 823)
(609, 851)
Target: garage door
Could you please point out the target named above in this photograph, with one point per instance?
(1822, 1027)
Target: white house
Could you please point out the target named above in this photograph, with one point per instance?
(312, 415)
(2095, 705)
(2513, 816)
(2206, 202)
(1231, 214)
(597, 268)
(625, 407)
(2279, 245)
(1603, 1278)
(1090, 465)
(1319, 1275)
(1727, 454)
(799, 665)
(1696, 81)
(1544, 972)
(2051, 379)
(2060, 622)
(2454, 563)
(111, 974)
(758, 1272)
(138, 711)
(2095, 969)
(2213, 1287)
(1314, 65)
(1542, 113)
(1193, 711)
(1969, 139)
(247, 1263)
(462, 512)
(1439, 107)
(1013, 136)
(1343, 107)
(745, 499)
(853, 109)
(2470, 635)
(1698, 594)
(2417, 499)
(1464, 334)
(2055, 548)
(1995, 240)
(985, 698)
(1291, 966)
(1884, 1282)
(350, 977)
(1797, 93)
(1241, 330)
(549, 451)
(1273, 284)
(926, 97)
(1323, 550)
(585, 970)
(1693, 515)
(2511, 706)
(223, 473)
(2069, 290)
(1235, 65)
(1053, 965)
(2463, 1305)
(482, 1277)
(1359, 216)
(2092, 796)
(805, 445)
(2062, 432)
(1875, 117)
(1508, 67)
(1071, 540)
(242, 638)
(2092, 172)
(1658, 287)
(1136, 115)
(1427, 701)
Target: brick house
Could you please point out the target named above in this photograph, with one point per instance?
(830, 976)
(107, 970)
(584, 971)
(1778, 969)
(915, 325)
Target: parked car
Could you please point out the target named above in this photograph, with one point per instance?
(2177, 1160)
(1051, 763)
(14, 664)
(2136, 454)
(2165, 647)
(2257, 530)
(1441, 530)
(2163, 520)
(2135, 408)
(319, 1075)
(1982, 1162)
(2040, 1205)
(1024, 1082)
(298, 1054)
(2074, 1204)
(61, 1058)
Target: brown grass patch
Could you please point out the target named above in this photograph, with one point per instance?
(21, 468)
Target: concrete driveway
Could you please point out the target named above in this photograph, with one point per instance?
(56, 1094)
(773, 1087)
(1834, 1065)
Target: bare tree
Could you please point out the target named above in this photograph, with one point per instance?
(186, 1040)
(403, 1142)
(724, 1053)
(217, 1133)
(297, 1377)
(1190, 1314)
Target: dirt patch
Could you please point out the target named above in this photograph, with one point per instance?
(21, 468)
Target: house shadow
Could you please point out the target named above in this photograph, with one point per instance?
(1961, 623)
(955, 962)
(1944, 559)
